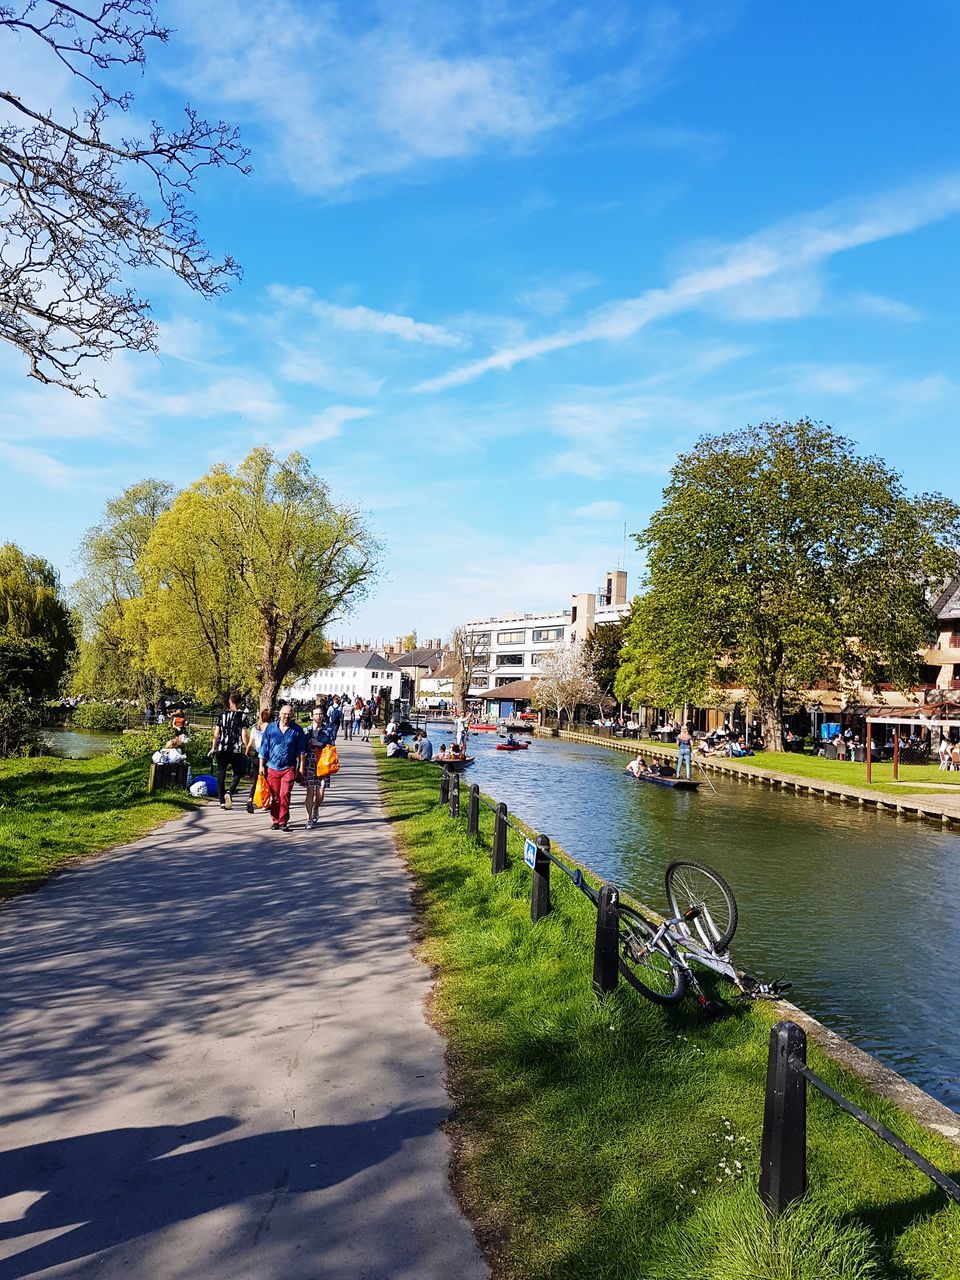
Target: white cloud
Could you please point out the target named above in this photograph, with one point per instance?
(36, 465)
(345, 97)
(323, 426)
(872, 304)
(779, 254)
(361, 319)
(598, 511)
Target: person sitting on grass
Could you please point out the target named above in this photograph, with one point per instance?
(395, 747)
(739, 748)
(422, 746)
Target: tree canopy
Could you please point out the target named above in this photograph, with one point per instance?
(565, 680)
(37, 633)
(243, 574)
(82, 206)
(781, 558)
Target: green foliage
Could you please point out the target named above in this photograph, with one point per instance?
(19, 728)
(780, 558)
(602, 653)
(243, 573)
(37, 636)
(99, 717)
(604, 1141)
(140, 744)
(112, 657)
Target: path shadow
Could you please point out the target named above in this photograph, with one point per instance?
(116, 1186)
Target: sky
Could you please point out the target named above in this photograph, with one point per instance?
(503, 261)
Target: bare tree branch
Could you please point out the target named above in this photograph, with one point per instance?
(73, 226)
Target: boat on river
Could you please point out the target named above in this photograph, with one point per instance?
(481, 728)
(513, 746)
(455, 765)
(658, 780)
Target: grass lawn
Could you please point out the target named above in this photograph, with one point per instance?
(619, 1141)
(52, 810)
(840, 771)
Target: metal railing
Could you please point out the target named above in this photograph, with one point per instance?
(783, 1167)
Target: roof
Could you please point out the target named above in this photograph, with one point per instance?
(418, 658)
(947, 604)
(359, 660)
(516, 691)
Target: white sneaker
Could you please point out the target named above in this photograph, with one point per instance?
(228, 800)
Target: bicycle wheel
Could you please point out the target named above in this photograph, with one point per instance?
(691, 885)
(654, 971)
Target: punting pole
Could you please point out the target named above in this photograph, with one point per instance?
(869, 751)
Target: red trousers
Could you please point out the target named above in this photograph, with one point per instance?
(280, 782)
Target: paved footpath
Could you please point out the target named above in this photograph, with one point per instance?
(214, 1061)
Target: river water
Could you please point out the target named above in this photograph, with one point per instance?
(857, 909)
(77, 744)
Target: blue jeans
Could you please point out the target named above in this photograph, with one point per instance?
(683, 756)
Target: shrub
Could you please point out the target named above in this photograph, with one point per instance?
(140, 744)
(101, 717)
(19, 729)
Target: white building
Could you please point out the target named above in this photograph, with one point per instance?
(514, 643)
(353, 673)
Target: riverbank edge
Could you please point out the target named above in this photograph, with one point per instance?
(782, 780)
(882, 1080)
(449, 833)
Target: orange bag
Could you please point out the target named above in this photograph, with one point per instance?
(328, 762)
(261, 794)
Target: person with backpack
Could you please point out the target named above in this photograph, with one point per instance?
(366, 721)
(335, 716)
(231, 736)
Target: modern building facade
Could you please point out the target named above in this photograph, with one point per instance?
(512, 645)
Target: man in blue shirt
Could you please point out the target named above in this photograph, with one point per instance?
(335, 715)
(282, 749)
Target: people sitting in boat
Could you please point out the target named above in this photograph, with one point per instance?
(665, 771)
(638, 766)
(457, 752)
(443, 753)
(510, 741)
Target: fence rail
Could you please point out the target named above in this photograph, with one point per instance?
(783, 1146)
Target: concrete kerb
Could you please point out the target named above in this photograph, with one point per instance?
(943, 811)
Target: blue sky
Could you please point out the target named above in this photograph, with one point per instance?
(502, 261)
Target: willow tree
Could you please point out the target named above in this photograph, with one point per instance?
(245, 573)
(779, 559)
(112, 659)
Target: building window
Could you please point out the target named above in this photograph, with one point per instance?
(536, 659)
(509, 659)
(502, 680)
(547, 633)
(510, 637)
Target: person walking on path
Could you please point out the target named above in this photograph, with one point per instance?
(253, 749)
(319, 734)
(366, 721)
(346, 715)
(684, 749)
(231, 736)
(335, 716)
(357, 715)
(282, 751)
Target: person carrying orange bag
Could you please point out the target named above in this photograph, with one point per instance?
(316, 776)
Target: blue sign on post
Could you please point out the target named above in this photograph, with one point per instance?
(530, 852)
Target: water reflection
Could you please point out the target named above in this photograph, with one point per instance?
(857, 909)
(78, 744)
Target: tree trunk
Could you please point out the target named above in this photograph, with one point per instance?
(268, 692)
(771, 724)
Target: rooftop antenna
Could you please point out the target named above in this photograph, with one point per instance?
(623, 553)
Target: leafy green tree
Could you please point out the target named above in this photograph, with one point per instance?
(37, 628)
(602, 653)
(780, 558)
(245, 572)
(112, 657)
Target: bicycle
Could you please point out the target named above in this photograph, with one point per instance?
(656, 959)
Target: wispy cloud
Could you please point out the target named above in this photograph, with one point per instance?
(323, 426)
(362, 319)
(417, 82)
(36, 465)
(782, 252)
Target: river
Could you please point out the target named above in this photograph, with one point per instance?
(77, 744)
(857, 909)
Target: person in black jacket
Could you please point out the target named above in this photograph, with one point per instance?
(231, 735)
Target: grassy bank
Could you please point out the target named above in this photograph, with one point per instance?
(843, 772)
(621, 1140)
(52, 811)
